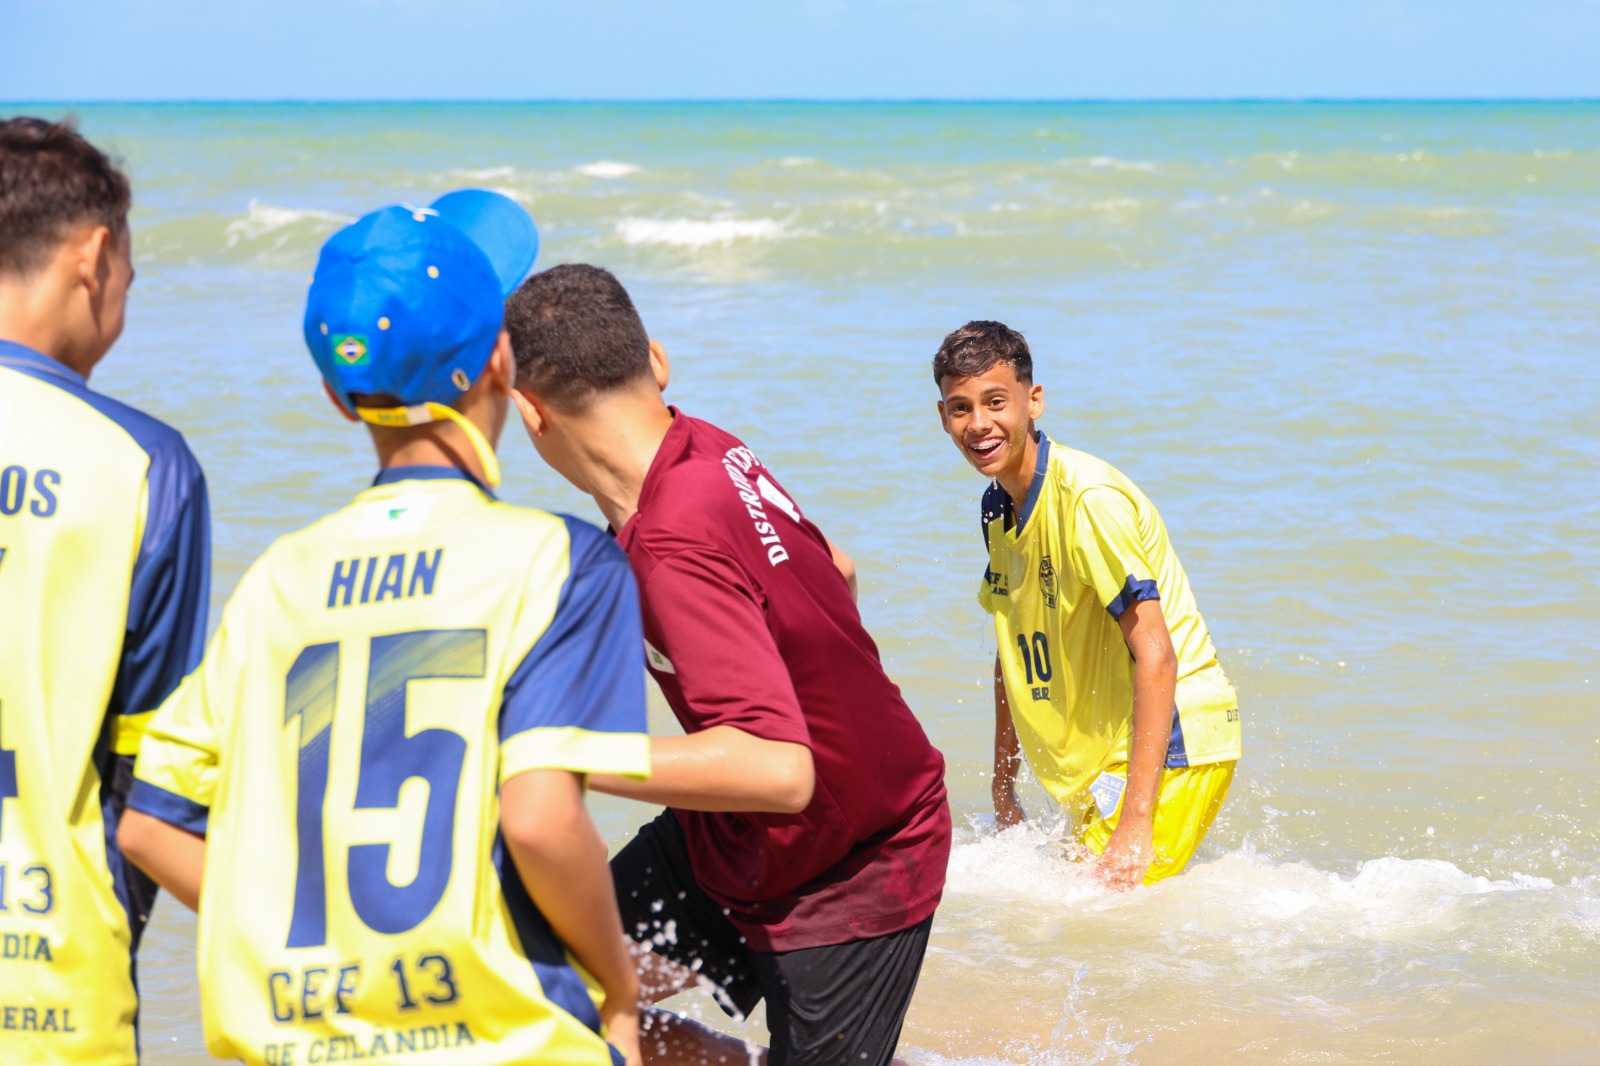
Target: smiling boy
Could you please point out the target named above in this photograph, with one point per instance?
(1105, 675)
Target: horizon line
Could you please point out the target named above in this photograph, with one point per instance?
(839, 100)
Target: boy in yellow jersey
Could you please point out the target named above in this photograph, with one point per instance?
(1105, 677)
(379, 766)
(104, 568)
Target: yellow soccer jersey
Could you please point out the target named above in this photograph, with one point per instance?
(104, 565)
(374, 679)
(1086, 546)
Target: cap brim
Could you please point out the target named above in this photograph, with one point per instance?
(497, 224)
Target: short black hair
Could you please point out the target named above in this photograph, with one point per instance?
(979, 345)
(52, 179)
(575, 334)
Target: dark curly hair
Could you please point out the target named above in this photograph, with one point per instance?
(575, 334)
(979, 345)
(52, 179)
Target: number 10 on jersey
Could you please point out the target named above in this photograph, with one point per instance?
(1036, 663)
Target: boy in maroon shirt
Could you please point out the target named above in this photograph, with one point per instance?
(804, 849)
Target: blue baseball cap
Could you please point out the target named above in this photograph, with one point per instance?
(407, 302)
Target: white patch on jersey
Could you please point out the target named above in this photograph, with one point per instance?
(5, 418)
(1107, 792)
(656, 660)
(403, 514)
(770, 493)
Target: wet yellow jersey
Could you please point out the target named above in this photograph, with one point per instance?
(1086, 545)
(374, 679)
(104, 566)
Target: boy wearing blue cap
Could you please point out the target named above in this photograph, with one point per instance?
(372, 787)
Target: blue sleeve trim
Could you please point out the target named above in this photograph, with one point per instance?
(1132, 592)
(587, 668)
(1177, 752)
(171, 587)
(170, 807)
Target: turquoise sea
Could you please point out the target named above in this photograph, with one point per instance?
(1351, 351)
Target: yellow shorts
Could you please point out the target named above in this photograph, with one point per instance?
(1185, 808)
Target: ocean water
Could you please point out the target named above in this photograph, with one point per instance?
(1352, 352)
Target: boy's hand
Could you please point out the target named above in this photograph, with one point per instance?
(1007, 758)
(1007, 808)
(1128, 855)
(621, 1024)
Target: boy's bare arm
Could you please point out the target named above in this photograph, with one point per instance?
(721, 769)
(845, 565)
(562, 862)
(174, 858)
(1007, 758)
(1130, 850)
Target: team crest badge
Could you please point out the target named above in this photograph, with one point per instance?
(351, 348)
(1047, 581)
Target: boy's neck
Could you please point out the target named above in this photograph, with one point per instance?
(32, 314)
(615, 442)
(1019, 479)
(436, 444)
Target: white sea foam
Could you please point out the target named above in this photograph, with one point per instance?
(1106, 162)
(262, 220)
(1027, 862)
(607, 168)
(1242, 892)
(697, 233)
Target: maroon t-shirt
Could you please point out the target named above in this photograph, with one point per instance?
(749, 624)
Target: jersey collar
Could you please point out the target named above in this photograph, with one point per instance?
(1037, 485)
(21, 357)
(389, 475)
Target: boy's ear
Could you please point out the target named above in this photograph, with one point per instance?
(528, 407)
(504, 361)
(660, 367)
(1035, 401)
(94, 259)
(338, 404)
(944, 420)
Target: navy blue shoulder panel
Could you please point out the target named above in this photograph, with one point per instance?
(170, 586)
(587, 669)
(995, 503)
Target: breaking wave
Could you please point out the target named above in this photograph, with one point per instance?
(607, 168)
(697, 233)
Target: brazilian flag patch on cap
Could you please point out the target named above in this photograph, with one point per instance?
(351, 349)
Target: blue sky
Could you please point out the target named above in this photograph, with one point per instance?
(822, 49)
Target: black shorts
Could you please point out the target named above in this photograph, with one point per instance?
(840, 1004)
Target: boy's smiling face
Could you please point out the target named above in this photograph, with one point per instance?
(990, 418)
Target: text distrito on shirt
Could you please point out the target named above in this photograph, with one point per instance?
(738, 462)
